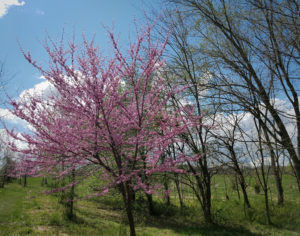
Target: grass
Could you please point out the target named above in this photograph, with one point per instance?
(27, 211)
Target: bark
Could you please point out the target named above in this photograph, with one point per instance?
(2, 183)
(205, 200)
(178, 190)
(70, 203)
(237, 187)
(277, 177)
(25, 180)
(264, 174)
(150, 204)
(240, 176)
(267, 206)
(294, 174)
(44, 181)
(127, 199)
(244, 191)
(166, 185)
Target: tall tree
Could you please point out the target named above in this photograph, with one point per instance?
(245, 44)
(104, 113)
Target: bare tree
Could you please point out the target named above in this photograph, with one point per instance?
(226, 141)
(185, 69)
(245, 46)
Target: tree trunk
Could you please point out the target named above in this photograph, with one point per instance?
(178, 190)
(150, 204)
(267, 206)
(277, 177)
(295, 175)
(70, 201)
(2, 183)
(166, 185)
(25, 180)
(205, 192)
(240, 176)
(127, 195)
(245, 195)
(226, 191)
(237, 186)
(44, 181)
(298, 183)
(207, 207)
(278, 181)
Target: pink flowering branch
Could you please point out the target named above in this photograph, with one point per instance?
(112, 114)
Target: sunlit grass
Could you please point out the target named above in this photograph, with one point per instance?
(28, 211)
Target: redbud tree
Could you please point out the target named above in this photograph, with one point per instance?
(110, 113)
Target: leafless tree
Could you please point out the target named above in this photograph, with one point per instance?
(251, 45)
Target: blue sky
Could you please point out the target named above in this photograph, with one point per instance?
(26, 22)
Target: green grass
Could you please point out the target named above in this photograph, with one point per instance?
(27, 211)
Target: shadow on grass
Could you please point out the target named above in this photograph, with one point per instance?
(186, 221)
(203, 229)
(166, 219)
(95, 216)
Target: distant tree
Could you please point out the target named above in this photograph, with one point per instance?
(103, 113)
(8, 165)
(226, 141)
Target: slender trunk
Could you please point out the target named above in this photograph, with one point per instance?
(62, 183)
(149, 199)
(264, 173)
(277, 177)
(267, 206)
(237, 187)
(278, 181)
(150, 204)
(25, 180)
(207, 207)
(44, 181)
(70, 204)
(295, 174)
(178, 190)
(298, 183)
(240, 176)
(245, 195)
(71, 212)
(2, 182)
(226, 191)
(167, 189)
(126, 194)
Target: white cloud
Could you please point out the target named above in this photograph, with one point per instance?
(6, 4)
(5, 139)
(10, 118)
(43, 89)
(5, 114)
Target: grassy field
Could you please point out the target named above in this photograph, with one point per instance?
(27, 211)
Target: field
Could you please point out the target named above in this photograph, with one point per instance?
(28, 211)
